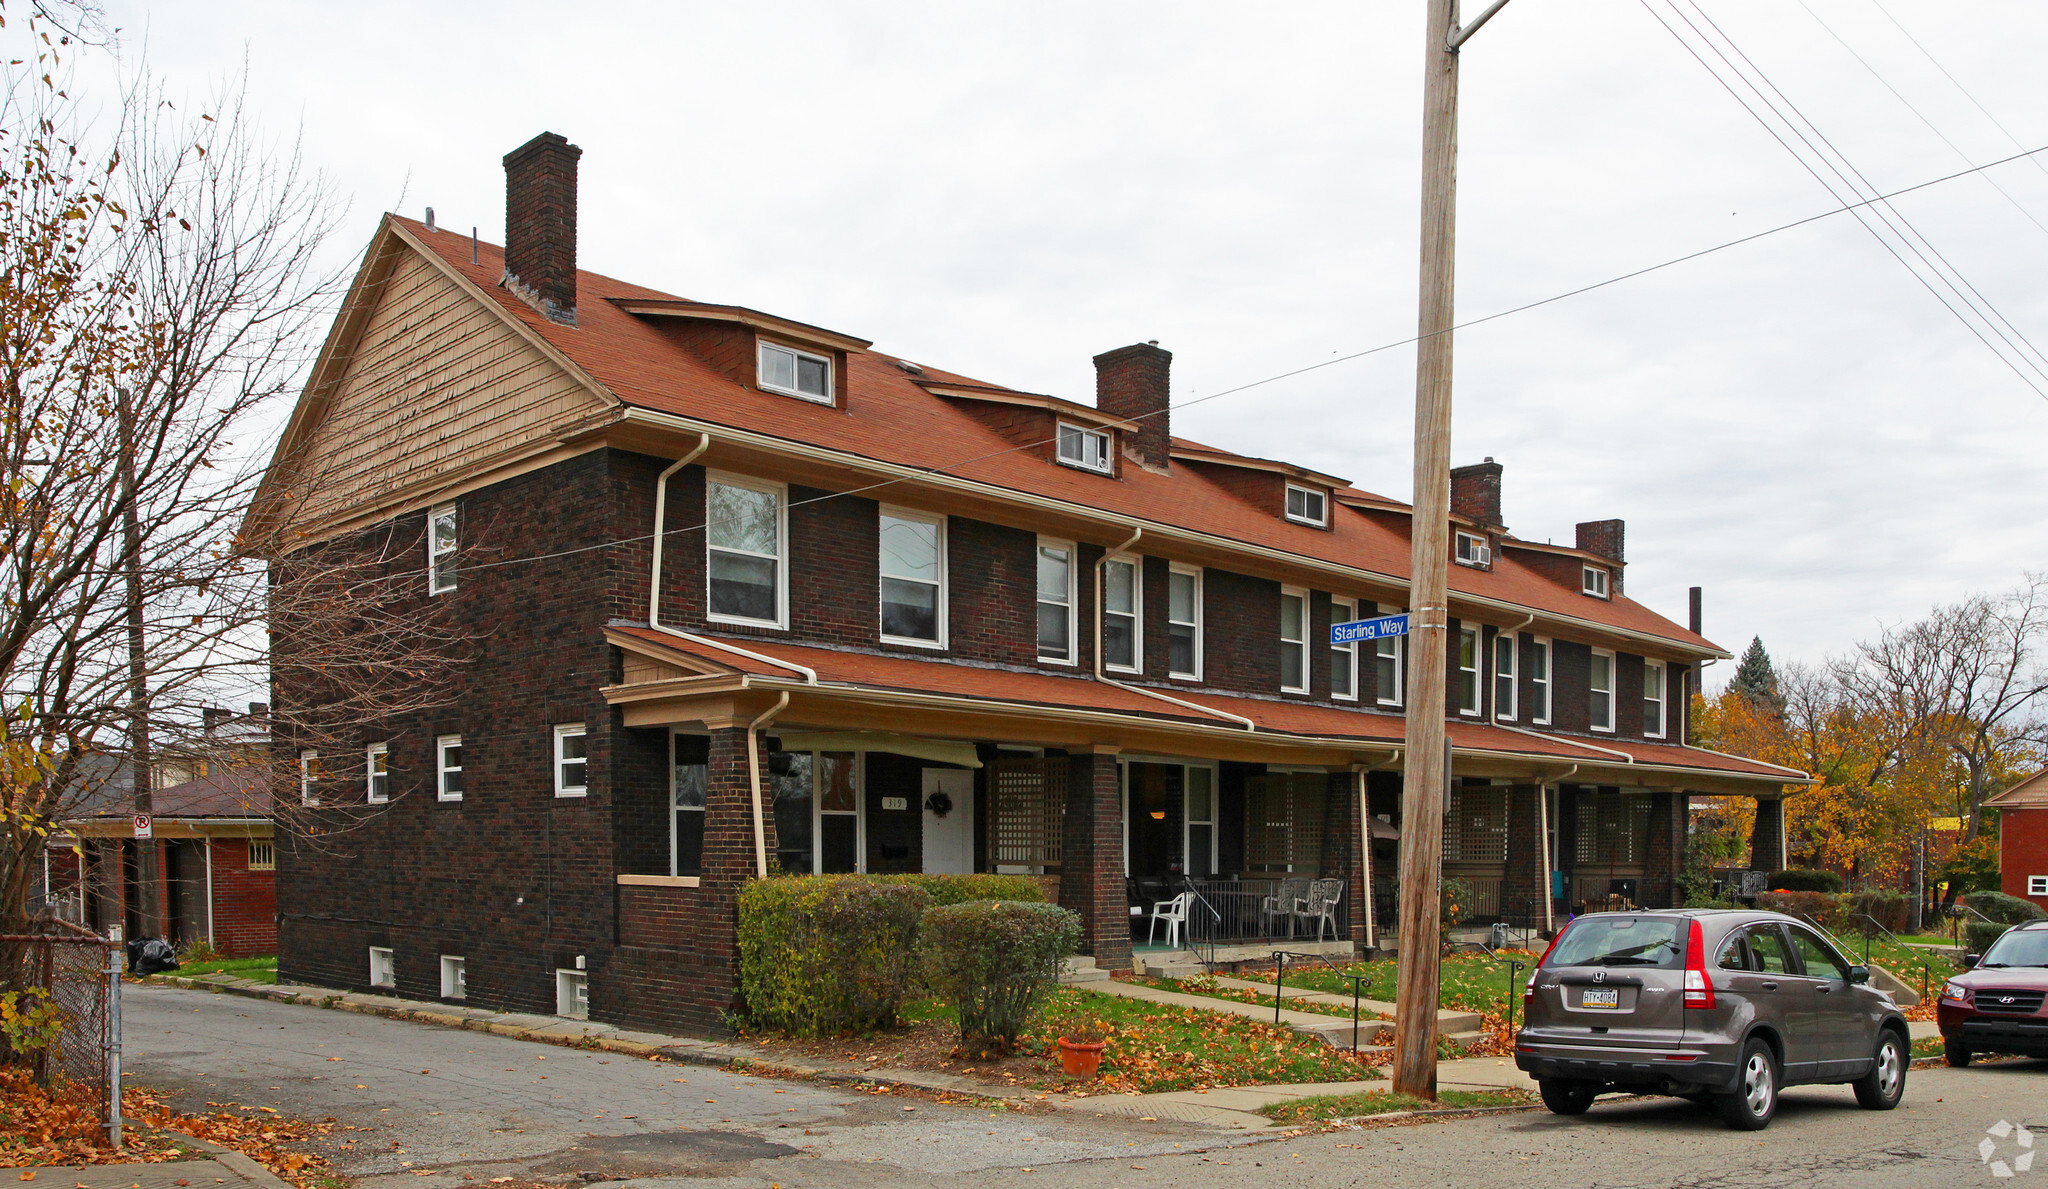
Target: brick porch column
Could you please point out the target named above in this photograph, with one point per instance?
(1521, 888)
(1092, 865)
(1343, 849)
(707, 979)
(1767, 838)
(1667, 848)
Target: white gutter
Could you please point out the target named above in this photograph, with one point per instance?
(1138, 531)
(1626, 758)
(654, 585)
(754, 780)
(1349, 575)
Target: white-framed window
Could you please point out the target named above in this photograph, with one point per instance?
(1308, 505)
(383, 967)
(1056, 601)
(1389, 655)
(377, 773)
(689, 781)
(453, 983)
(2037, 885)
(1084, 448)
(1539, 681)
(441, 549)
(795, 373)
(745, 531)
(572, 762)
(1123, 615)
(1593, 581)
(1184, 622)
(572, 994)
(1468, 671)
(1600, 690)
(1472, 550)
(1344, 657)
(262, 854)
(309, 778)
(1293, 640)
(1653, 699)
(448, 768)
(913, 568)
(1504, 692)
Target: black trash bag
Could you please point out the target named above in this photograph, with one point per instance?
(151, 955)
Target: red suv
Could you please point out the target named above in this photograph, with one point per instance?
(1999, 1005)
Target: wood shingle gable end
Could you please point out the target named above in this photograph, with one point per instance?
(424, 382)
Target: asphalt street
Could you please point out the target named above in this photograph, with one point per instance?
(446, 1109)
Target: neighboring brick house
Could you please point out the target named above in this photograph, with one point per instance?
(2023, 838)
(934, 624)
(216, 865)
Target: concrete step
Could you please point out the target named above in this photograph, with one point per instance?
(1082, 969)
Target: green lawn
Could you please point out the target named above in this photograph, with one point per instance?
(1470, 982)
(1380, 1102)
(1207, 988)
(261, 970)
(1154, 1048)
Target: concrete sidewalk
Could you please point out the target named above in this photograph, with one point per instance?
(1335, 1030)
(225, 1167)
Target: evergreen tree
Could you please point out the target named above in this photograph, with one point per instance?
(1756, 680)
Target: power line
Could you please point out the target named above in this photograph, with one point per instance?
(1929, 55)
(1881, 206)
(1388, 346)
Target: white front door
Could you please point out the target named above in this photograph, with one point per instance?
(948, 836)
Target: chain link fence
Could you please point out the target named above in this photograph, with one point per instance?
(79, 972)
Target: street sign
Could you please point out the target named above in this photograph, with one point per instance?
(1369, 629)
(144, 827)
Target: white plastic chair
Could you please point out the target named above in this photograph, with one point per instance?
(1175, 913)
(1281, 904)
(1321, 905)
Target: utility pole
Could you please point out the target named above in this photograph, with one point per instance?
(1426, 758)
(149, 892)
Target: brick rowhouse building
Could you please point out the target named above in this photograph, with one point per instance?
(2023, 839)
(903, 620)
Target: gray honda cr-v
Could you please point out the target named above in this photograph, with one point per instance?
(1708, 1004)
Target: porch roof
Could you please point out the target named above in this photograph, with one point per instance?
(673, 665)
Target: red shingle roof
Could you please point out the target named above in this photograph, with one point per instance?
(890, 417)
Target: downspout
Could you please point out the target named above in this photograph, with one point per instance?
(654, 579)
(210, 936)
(1543, 843)
(1372, 921)
(754, 781)
(1138, 531)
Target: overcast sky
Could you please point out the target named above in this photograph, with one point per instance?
(1006, 190)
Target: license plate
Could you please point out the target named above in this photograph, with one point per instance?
(1600, 997)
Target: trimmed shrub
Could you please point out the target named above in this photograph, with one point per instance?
(996, 961)
(1819, 907)
(1978, 935)
(1892, 910)
(959, 889)
(2006, 910)
(1798, 880)
(824, 955)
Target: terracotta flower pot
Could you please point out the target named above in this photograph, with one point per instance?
(1081, 1058)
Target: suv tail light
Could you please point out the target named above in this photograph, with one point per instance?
(1699, 989)
(1529, 988)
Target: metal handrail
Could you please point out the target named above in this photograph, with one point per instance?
(1195, 897)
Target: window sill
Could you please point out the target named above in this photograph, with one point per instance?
(571, 794)
(1105, 472)
(1062, 662)
(1123, 672)
(827, 401)
(908, 642)
(660, 881)
(1306, 523)
(737, 621)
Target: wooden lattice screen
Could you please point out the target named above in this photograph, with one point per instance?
(1283, 822)
(1613, 828)
(1476, 825)
(1027, 812)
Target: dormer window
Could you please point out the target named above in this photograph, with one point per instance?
(1473, 551)
(795, 373)
(1084, 448)
(1594, 581)
(1308, 505)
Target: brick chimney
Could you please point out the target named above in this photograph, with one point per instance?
(1131, 383)
(1602, 538)
(1475, 492)
(540, 225)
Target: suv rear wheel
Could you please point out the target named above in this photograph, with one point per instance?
(1885, 1084)
(1756, 1090)
(1566, 1097)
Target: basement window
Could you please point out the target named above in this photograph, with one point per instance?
(1084, 448)
(383, 969)
(1594, 581)
(572, 994)
(796, 373)
(1308, 505)
(454, 984)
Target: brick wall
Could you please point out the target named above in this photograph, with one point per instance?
(244, 902)
(1092, 876)
(2023, 850)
